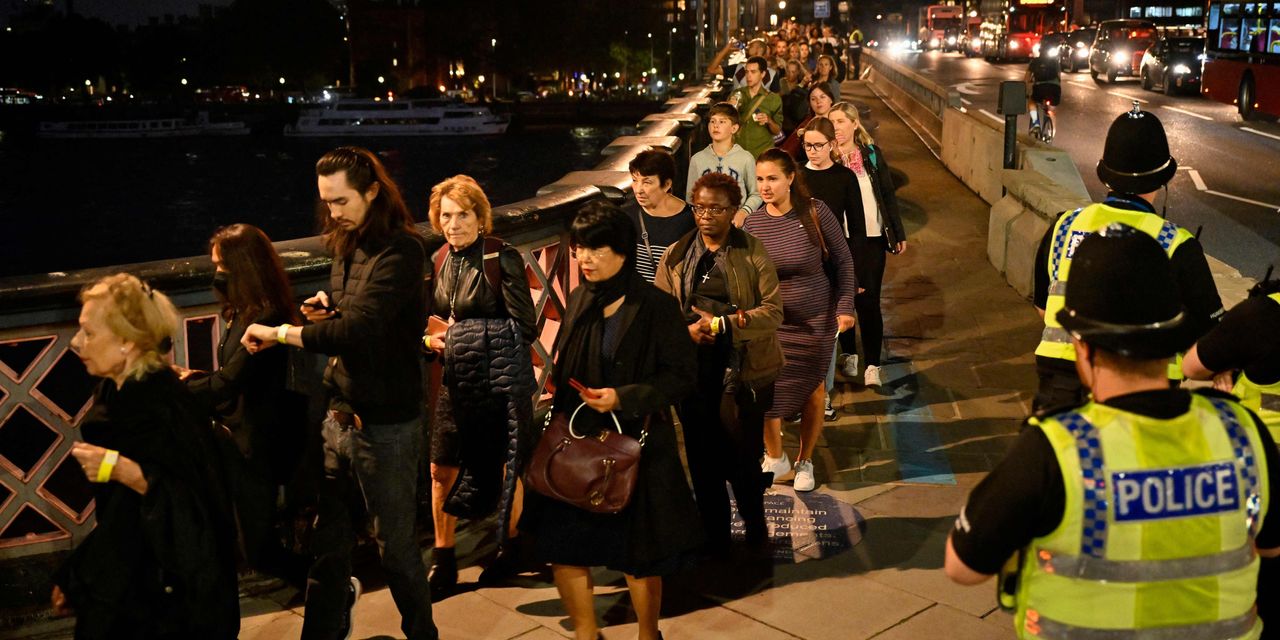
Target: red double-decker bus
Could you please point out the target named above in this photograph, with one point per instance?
(1011, 29)
(1242, 56)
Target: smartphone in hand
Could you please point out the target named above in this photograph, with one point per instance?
(582, 388)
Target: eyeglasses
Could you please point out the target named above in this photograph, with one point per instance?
(814, 146)
(700, 211)
(581, 253)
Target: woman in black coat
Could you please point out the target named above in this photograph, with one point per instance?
(262, 423)
(627, 342)
(478, 277)
(161, 561)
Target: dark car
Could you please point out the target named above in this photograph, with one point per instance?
(1119, 46)
(1073, 55)
(1173, 64)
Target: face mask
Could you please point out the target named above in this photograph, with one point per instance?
(220, 283)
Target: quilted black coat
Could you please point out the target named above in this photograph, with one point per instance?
(489, 376)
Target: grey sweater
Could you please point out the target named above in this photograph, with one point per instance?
(738, 164)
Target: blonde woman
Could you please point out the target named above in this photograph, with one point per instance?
(161, 561)
(479, 277)
(867, 236)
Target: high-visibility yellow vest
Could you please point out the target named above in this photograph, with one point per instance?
(1264, 399)
(1068, 231)
(1157, 531)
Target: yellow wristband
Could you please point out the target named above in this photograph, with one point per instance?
(108, 464)
(715, 326)
(426, 341)
(282, 333)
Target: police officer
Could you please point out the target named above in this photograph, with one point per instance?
(855, 51)
(1135, 164)
(1243, 355)
(1144, 509)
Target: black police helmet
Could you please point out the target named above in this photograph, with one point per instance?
(1122, 297)
(1136, 156)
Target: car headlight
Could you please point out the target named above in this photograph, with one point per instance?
(934, 42)
(1035, 50)
(1082, 52)
(1013, 44)
(1201, 57)
(1181, 69)
(951, 40)
(1120, 57)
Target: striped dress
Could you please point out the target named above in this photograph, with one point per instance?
(809, 308)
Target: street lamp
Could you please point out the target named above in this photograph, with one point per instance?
(670, 60)
(782, 4)
(650, 49)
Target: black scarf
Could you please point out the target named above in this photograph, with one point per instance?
(581, 354)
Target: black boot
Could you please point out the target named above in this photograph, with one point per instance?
(444, 573)
(511, 559)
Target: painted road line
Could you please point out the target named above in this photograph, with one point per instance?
(991, 115)
(1186, 113)
(1197, 180)
(964, 101)
(1084, 86)
(1268, 135)
(1127, 96)
(1267, 205)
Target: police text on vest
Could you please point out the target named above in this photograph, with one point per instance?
(1173, 493)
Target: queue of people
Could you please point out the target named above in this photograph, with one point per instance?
(701, 324)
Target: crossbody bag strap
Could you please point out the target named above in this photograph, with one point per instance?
(644, 235)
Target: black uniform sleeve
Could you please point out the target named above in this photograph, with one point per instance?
(1021, 499)
(1238, 343)
(1199, 293)
(1040, 295)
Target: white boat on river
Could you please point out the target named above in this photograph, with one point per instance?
(360, 117)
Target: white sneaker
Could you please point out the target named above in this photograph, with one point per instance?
(828, 411)
(777, 466)
(348, 618)
(871, 377)
(849, 367)
(804, 476)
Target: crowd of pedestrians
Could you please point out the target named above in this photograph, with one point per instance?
(701, 325)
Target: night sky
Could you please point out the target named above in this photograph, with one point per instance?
(127, 12)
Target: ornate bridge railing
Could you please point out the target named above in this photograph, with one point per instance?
(45, 505)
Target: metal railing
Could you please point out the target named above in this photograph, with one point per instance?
(45, 505)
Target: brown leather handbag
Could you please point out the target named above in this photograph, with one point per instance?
(594, 473)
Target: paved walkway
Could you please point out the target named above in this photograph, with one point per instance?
(959, 379)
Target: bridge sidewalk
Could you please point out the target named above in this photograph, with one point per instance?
(958, 382)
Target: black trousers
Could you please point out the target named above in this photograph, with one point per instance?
(868, 264)
(1059, 385)
(722, 436)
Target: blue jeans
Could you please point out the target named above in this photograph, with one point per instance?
(379, 465)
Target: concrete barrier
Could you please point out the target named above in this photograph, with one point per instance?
(1019, 220)
(973, 150)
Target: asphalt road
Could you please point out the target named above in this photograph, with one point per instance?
(1228, 180)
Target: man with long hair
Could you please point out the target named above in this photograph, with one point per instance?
(370, 325)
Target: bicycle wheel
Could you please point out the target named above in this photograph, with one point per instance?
(1046, 131)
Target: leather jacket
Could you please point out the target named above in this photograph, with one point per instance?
(753, 287)
(462, 291)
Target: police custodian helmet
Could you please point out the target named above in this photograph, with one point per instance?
(1136, 156)
(1122, 296)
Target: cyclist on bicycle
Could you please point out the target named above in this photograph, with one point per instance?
(1042, 77)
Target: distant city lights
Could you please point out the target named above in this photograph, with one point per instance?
(281, 79)
(183, 81)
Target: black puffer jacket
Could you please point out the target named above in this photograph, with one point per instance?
(490, 386)
(463, 292)
(376, 371)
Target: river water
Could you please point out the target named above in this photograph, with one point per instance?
(72, 204)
